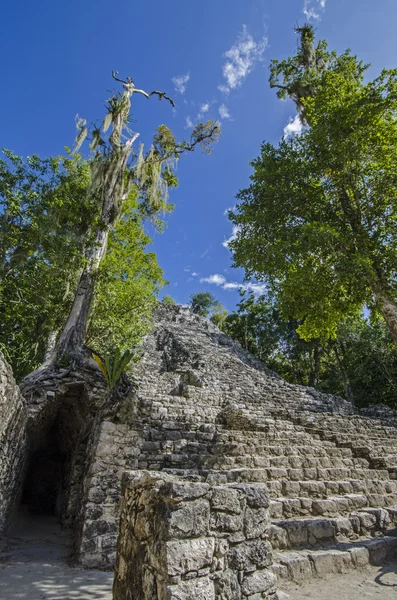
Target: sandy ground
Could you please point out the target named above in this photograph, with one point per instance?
(34, 566)
(374, 582)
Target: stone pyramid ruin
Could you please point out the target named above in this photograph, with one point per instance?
(231, 480)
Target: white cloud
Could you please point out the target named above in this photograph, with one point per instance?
(314, 9)
(188, 123)
(235, 231)
(180, 82)
(194, 274)
(221, 281)
(216, 279)
(241, 59)
(224, 89)
(293, 127)
(204, 108)
(224, 112)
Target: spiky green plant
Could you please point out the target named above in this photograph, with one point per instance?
(113, 365)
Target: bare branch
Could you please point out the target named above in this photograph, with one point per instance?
(162, 95)
(136, 91)
(114, 73)
(130, 86)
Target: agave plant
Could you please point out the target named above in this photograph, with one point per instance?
(113, 365)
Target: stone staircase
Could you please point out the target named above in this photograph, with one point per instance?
(331, 472)
(331, 508)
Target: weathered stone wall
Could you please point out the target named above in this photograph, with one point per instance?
(12, 441)
(182, 540)
(114, 448)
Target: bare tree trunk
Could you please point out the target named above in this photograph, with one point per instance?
(345, 379)
(388, 309)
(72, 337)
(51, 343)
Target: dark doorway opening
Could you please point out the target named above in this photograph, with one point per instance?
(42, 491)
(56, 466)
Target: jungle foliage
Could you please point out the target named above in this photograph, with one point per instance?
(318, 222)
(359, 364)
(47, 221)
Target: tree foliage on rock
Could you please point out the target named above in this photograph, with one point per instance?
(319, 221)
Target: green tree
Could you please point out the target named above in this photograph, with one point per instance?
(360, 364)
(126, 185)
(128, 282)
(45, 223)
(260, 329)
(318, 222)
(219, 315)
(203, 303)
(47, 220)
(168, 300)
(117, 170)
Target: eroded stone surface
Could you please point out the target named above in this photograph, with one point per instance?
(186, 549)
(13, 457)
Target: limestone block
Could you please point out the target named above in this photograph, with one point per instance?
(226, 499)
(378, 551)
(367, 520)
(278, 537)
(256, 522)
(200, 588)
(343, 526)
(360, 557)
(297, 532)
(227, 585)
(259, 582)
(256, 494)
(321, 529)
(250, 555)
(225, 522)
(191, 519)
(189, 555)
(276, 510)
(299, 566)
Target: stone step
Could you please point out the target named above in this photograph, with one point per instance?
(267, 456)
(283, 451)
(322, 489)
(208, 461)
(284, 462)
(374, 489)
(331, 506)
(353, 423)
(307, 564)
(167, 430)
(272, 474)
(310, 531)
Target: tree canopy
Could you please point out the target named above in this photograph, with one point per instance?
(203, 303)
(47, 221)
(360, 364)
(318, 221)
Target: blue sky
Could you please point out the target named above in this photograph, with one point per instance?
(57, 59)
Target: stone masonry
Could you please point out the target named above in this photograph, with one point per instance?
(183, 540)
(12, 442)
(208, 413)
